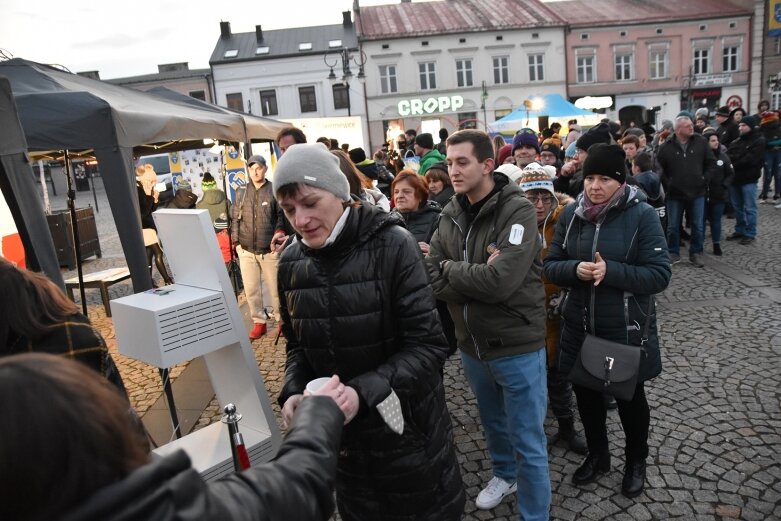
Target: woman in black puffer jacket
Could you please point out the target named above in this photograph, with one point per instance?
(609, 249)
(355, 302)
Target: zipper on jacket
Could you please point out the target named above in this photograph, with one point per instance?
(593, 288)
(466, 306)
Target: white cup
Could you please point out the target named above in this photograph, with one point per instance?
(314, 385)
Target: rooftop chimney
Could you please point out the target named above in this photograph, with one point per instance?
(347, 19)
(225, 30)
(258, 33)
(171, 67)
(93, 75)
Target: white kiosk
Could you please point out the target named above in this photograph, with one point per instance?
(199, 316)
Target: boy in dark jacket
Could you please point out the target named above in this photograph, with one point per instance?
(747, 155)
(717, 187)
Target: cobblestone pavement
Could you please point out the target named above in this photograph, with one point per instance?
(715, 420)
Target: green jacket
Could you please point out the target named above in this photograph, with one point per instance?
(498, 308)
(428, 159)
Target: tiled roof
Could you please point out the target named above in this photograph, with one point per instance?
(590, 13)
(161, 76)
(283, 42)
(451, 16)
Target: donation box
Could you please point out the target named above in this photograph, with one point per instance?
(199, 316)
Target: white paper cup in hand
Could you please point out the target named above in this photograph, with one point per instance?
(314, 385)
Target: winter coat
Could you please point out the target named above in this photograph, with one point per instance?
(183, 200)
(362, 308)
(727, 132)
(748, 157)
(216, 202)
(553, 293)
(722, 177)
(428, 159)
(297, 484)
(632, 242)
(772, 133)
(685, 170)
(376, 198)
(422, 222)
(255, 217)
(146, 205)
(498, 308)
(442, 197)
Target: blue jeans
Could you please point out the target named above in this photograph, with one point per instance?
(696, 208)
(772, 172)
(744, 200)
(715, 211)
(512, 401)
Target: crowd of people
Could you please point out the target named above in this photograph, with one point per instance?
(509, 253)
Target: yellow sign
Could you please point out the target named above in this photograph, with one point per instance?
(175, 163)
(774, 18)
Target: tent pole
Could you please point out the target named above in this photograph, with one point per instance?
(75, 231)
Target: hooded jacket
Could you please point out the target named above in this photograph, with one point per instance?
(748, 157)
(632, 242)
(497, 308)
(216, 202)
(183, 199)
(428, 159)
(298, 484)
(685, 170)
(362, 308)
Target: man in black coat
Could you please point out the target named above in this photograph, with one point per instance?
(747, 155)
(685, 164)
(727, 129)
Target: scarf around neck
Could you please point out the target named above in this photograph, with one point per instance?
(595, 213)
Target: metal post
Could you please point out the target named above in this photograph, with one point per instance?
(347, 86)
(75, 232)
(169, 394)
(94, 195)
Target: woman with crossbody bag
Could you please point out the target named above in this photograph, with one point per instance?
(609, 249)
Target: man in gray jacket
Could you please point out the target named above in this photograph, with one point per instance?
(484, 261)
(256, 228)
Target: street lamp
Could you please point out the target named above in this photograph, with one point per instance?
(331, 60)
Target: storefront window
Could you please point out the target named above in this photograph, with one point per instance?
(467, 120)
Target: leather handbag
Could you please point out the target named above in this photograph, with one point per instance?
(610, 367)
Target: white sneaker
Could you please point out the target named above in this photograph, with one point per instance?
(777, 206)
(494, 492)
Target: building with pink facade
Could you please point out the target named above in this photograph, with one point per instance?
(654, 58)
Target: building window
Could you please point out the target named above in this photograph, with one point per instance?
(585, 69)
(198, 94)
(262, 50)
(775, 100)
(341, 96)
(730, 58)
(467, 120)
(306, 46)
(231, 53)
(701, 61)
(334, 43)
(235, 101)
(500, 113)
(501, 70)
(624, 67)
(388, 79)
(268, 103)
(536, 67)
(658, 62)
(306, 96)
(428, 75)
(464, 73)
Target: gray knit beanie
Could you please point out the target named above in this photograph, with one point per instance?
(313, 165)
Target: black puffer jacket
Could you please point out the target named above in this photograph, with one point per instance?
(723, 176)
(297, 485)
(422, 222)
(631, 241)
(748, 157)
(362, 308)
(685, 169)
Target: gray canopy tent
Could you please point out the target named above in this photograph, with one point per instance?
(62, 111)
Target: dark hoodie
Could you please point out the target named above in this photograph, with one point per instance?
(748, 157)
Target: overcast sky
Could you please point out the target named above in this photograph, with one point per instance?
(121, 39)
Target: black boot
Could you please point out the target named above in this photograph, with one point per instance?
(570, 436)
(610, 402)
(593, 466)
(634, 478)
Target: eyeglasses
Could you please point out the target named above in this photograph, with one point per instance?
(534, 199)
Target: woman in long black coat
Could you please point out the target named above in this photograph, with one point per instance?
(355, 302)
(610, 251)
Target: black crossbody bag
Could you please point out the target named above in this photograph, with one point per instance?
(610, 367)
